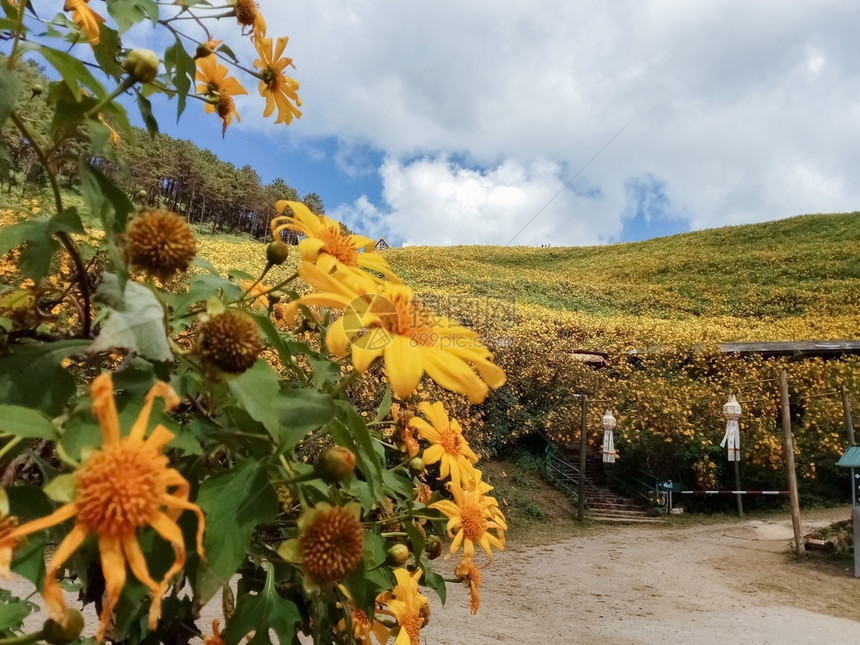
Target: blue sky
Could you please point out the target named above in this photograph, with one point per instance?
(583, 121)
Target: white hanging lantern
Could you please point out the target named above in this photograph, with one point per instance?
(732, 438)
(609, 424)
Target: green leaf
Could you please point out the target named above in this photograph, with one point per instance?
(27, 423)
(129, 12)
(234, 502)
(433, 580)
(29, 503)
(385, 406)
(263, 612)
(33, 376)
(350, 430)
(206, 264)
(8, 93)
(299, 411)
(72, 70)
(13, 613)
(145, 108)
(182, 71)
(223, 49)
(108, 50)
(137, 324)
(104, 200)
(61, 488)
(256, 390)
(236, 274)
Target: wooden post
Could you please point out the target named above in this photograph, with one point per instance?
(788, 446)
(846, 413)
(583, 447)
(738, 487)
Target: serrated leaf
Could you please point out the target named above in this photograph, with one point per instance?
(104, 200)
(299, 411)
(12, 615)
(72, 70)
(182, 71)
(263, 612)
(33, 376)
(234, 502)
(27, 423)
(108, 50)
(138, 325)
(127, 13)
(256, 390)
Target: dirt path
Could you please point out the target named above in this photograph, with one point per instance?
(707, 584)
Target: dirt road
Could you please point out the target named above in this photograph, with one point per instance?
(713, 584)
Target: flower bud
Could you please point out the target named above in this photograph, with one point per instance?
(141, 65)
(55, 634)
(335, 464)
(397, 555)
(416, 466)
(37, 89)
(433, 547)
(277, 252)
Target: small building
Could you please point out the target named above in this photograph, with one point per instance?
(381, 245)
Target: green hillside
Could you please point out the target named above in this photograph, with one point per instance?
(804, 265)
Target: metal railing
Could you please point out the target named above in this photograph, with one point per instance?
(563, 473)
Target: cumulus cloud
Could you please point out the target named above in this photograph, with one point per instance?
(483, 111)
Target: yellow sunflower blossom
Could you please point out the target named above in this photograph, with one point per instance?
(326, 244)
(470, 519)
(329, 546)
(469, 573)
(256, 292)
(363, 627)
(384, 320)
(449, 447)
(219, 88)
(120, 488)
(278, 89)
(85, 18)
(215, 638)
(406, 604)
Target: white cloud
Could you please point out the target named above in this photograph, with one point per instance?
(483, 110)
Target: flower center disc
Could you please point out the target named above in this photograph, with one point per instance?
(337, 244)
(474, 522)
(450, 441)
(120, 489)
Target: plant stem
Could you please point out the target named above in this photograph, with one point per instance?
(65, 239)
(19, 26)
(9, 446)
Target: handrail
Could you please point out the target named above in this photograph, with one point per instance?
(562, 472)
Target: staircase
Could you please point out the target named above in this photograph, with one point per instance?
(603, 504)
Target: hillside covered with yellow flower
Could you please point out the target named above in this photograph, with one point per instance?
(657, 310)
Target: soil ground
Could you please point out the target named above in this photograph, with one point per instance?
(731, 581)
(689, 580)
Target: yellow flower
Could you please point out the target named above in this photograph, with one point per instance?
(255, 292)
(385, 320)
(449, 448)
(215, 638)
(470, 518)
(330, 543)
(220, 88)
(121, 488)
(277, 88)
(248, 15)
(114, 136)
(406, 605)
(85, 18)
(470, 574)
(362, 626)
(326, 244)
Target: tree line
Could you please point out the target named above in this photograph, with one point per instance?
(159, 171)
